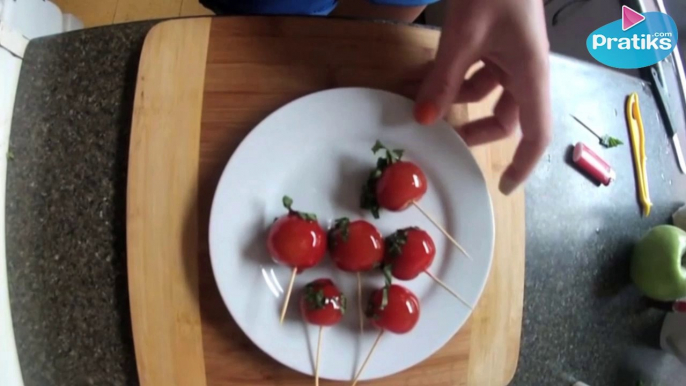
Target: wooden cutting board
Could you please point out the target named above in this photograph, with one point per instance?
(203, 84)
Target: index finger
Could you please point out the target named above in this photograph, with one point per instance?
(531, 90)
(458, 49)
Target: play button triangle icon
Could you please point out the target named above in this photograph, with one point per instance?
(630, 18)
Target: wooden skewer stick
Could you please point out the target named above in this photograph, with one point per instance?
(288, 295)
(440, 228)
(366, 360)
(445, 286)
(359, 302)
(319, 351)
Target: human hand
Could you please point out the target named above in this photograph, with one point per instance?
(509, 36)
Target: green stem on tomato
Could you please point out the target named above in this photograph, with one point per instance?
(315, 298)
(396, 241)
(368, 198)
(387, 270)
(288, 204)
(341, 226)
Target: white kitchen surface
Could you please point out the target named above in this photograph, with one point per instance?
(10, 373)
(20, 20)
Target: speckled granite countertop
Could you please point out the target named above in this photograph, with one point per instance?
(66, 230)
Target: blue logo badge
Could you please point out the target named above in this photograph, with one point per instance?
(635, 41)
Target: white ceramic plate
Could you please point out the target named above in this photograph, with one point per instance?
(317, 150)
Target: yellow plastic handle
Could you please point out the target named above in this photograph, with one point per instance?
(637, 134)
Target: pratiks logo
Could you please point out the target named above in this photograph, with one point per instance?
(635, 41)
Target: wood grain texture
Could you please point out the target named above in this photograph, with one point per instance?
(257, 64)
(162, 216)
(106, 12)
(193, 8)
(91, 13)
(497, 320)
(134, 10)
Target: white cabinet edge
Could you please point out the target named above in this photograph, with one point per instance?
(18, 22)
(10, 372)
(12, 41)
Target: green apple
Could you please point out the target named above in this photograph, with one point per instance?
(658, 264)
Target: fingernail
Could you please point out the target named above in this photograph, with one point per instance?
(507, 185)
(425, 113)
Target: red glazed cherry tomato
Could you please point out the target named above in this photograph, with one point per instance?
(322, 303)
(393, 184)
(401, 183)
(400, 312)
(355, 246)
(409, 252)
(296, 239)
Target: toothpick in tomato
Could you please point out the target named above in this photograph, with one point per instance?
(393, 308)
(409, 252)
(356, 246)
(298, 241)
(323, 305)
(394, 185)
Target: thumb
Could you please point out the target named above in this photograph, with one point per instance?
(456, 53)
